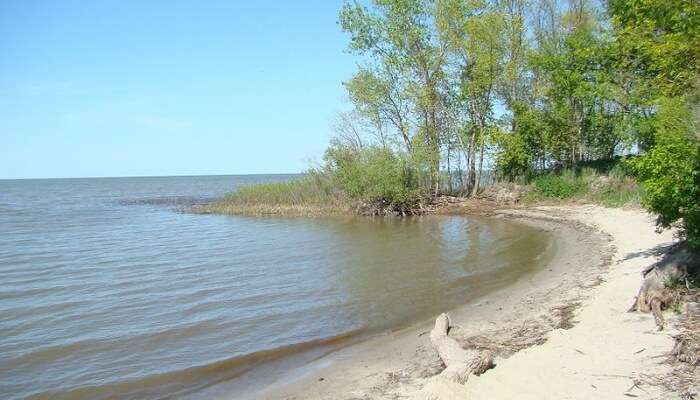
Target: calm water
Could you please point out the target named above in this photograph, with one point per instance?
(108, 290)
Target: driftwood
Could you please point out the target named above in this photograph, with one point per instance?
(656, 292)
(459, 363)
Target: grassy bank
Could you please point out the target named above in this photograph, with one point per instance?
(614, 188)
(318, 194)
(312, 194)
(377, 187)
(367, 181)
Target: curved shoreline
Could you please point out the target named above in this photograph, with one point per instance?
(519, 316)
(248, 386)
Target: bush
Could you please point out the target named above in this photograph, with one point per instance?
(374, 175)
(374, 180)
(670, 170)
(564, 186)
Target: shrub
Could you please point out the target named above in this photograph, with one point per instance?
(564, 186)
(374, 175)
(670, 170)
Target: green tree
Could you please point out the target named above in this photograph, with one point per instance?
(658, 44)
(398, 38)
(474, 31)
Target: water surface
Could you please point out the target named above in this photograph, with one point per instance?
(108, 289)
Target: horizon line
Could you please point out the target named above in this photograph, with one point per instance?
(147, 176)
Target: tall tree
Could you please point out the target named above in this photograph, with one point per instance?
(397, 37)
(657, 45)
(474, 31)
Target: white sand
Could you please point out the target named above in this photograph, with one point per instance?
(599, 358)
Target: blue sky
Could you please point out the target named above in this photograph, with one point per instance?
(131, 88)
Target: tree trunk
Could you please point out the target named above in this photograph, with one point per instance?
(465, 150)
(471, 168)
(475, 189)
(449, 170)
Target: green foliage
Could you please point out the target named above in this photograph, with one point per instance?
(520, 149)
(515, 158)
(313, 188)
(657, 46)
(674, 282)
(658, 41)
(374, 175)
(670, 170)
(578, 89)
(557, 186)
(606, 183)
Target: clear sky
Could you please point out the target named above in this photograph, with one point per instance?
(130, 88)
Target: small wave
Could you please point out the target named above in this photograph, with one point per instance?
(177, 201)
(189, 380)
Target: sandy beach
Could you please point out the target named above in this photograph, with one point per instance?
(560, 333)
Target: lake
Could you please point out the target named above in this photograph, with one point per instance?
(109, 288)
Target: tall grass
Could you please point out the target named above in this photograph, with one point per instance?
(616, 188)
(309, 195)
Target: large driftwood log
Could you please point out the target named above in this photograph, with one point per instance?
(655, 295)
(460, 363)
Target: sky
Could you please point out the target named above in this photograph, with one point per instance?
(148, 88)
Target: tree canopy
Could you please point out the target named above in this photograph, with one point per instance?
(454, 90)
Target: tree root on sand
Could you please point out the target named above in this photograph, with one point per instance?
(661, 280)
(460, 363)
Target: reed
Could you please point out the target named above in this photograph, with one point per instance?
(313, 194)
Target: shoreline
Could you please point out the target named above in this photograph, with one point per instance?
(524, 318)
(521, 321)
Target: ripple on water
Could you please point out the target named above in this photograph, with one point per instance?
(106, 290)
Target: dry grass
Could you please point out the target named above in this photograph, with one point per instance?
(684, 358)
(614, 189)
(532, 332)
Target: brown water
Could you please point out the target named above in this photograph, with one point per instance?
(108, 290)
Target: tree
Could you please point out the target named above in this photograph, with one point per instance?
(474, 32)
(658, 44)
(406, 64)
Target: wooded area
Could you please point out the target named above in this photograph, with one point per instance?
(448, 89)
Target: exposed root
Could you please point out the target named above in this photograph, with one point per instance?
(667, 284)
(659, 289)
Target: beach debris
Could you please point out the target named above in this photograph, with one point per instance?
(659, 289)
(667, 284)
(459, 363)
